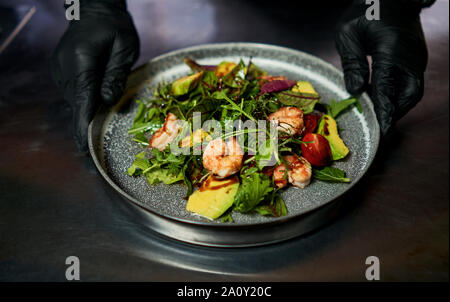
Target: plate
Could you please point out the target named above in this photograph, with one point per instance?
(113, 151)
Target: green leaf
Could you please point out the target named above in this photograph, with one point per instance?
(236, 77)
(304, 101)
(330, 174)
(251, 192)
(140, 113)
(253, 71)
(275, 206)
(210, 79)
(155, 176)
(141, 139)
(227, 217)
(146, 127)
(267, 156)
(335, 108)
(186, 177)
(146, 120)
(139, 165)
(221, 95)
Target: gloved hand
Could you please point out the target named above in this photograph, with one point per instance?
(93, 59)
(399, 54)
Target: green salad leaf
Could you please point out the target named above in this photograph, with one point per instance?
(330, 174)
(251, 192)
(162, 167)
(335, 108)
(273, 206)
(140, 164)
(253, 72)
(226, 217)
(304, 101)
(146, 120)
(156, 176)
(236, 77)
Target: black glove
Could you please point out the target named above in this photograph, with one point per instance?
(93, 59)
(399, 54)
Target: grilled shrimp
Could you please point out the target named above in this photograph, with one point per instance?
(289, 120)
(223, 158)
(299, 172)
(166, 134)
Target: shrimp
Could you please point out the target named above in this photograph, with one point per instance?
(223, 158)
(289, 120)
(166, 134)
(299, 172)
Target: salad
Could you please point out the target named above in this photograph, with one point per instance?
(237, 137)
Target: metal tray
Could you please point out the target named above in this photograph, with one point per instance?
(113, 151)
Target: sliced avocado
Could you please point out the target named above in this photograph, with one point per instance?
(185, 84)
(328, 128)
(304, 87)
(214, 197)
(224, 68)
(197, 137)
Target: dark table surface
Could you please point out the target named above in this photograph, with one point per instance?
(54, 204)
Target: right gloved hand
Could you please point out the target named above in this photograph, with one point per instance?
(93, 59)
(399, 52)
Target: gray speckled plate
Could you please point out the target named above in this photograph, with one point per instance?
(113, 151)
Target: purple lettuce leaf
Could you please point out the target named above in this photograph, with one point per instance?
(277, 85)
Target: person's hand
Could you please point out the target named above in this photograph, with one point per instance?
(399, 54)
(93, 59)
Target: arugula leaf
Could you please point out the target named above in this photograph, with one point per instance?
(275, 206)
(236, 77)
(163, 175)
(139, 165)
(147, 127)
(173, 163)
(227, 217)
(141, 139)
(163, 167)
(304, 101)
(146, 120)
(335, 108)
(253, 71)
(221, 95)
(251, 192)
(140, 113)
(330, 174)
(207, 84)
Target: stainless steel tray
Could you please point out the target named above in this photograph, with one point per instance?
(113, 151)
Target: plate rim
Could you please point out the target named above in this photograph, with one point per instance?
(277, 220)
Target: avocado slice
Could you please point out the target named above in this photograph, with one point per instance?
(304, 87)
(328, 128)
(214, 197)
(224, 68)
(197, 137)
(185, 84)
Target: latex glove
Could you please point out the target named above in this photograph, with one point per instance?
(93, 59)
(399, 55)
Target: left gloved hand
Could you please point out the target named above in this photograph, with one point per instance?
(399, 53)
(92, 60)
